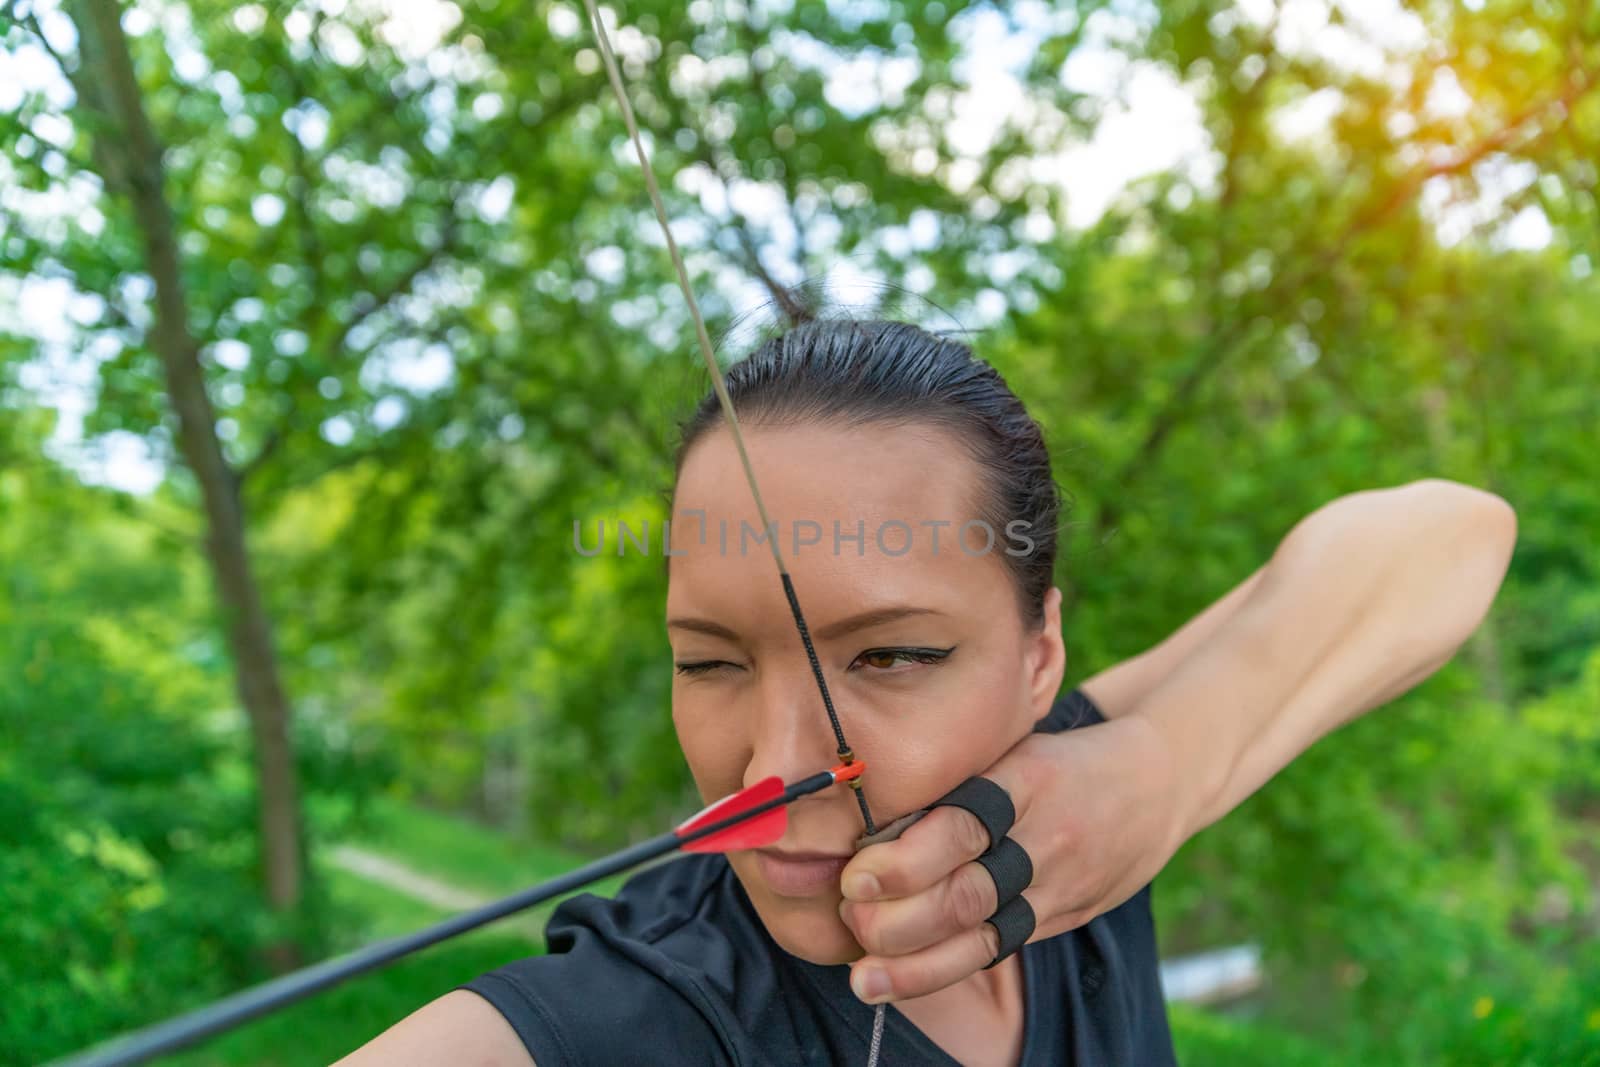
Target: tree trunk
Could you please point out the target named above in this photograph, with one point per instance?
(130, 160)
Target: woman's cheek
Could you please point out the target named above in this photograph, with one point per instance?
(920, 753)
(712, 749)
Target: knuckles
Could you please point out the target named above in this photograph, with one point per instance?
(862, 919)
(851, 915)
(988, 942)
(1062, 839)
(971, 837)
(970, 896)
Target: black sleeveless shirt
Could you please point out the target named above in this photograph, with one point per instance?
(678, 969)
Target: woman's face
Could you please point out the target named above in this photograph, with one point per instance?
(930, 665)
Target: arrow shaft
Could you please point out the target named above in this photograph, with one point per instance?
(225, 1014)
(240, 1008)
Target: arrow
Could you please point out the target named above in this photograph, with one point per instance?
(754, 817)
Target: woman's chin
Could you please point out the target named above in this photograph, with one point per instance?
(809, 929)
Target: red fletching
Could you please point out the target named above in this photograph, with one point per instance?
(755, 832)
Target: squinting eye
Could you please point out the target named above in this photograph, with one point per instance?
(884, 659)
(701, 666)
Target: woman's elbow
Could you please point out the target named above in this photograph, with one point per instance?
(1474, 532)
(1486, 521)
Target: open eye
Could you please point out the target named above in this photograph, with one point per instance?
(887, 659)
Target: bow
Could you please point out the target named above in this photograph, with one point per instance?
(726, 403)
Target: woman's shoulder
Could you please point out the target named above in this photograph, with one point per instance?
(689, 897)
(1070, 711)
(644, 969)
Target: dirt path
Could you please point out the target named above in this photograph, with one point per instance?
(405, 880)
(434, 892)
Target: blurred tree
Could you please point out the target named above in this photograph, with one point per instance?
(129, 159)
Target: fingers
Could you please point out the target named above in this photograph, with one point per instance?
(943, 839)
(920, 904)
(877, 978)
(956, 904)
(938, 844)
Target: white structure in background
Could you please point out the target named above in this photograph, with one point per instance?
(1210, 977)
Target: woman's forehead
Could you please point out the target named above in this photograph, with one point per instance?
(864, 516)
(824, 471)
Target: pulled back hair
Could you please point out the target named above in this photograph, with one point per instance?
(855, 373)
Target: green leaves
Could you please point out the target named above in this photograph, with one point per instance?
(438, 327)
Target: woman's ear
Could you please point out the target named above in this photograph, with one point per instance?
(1046, 657)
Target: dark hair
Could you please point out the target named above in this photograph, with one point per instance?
(857, 372)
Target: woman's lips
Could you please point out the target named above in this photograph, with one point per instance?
(800, 874)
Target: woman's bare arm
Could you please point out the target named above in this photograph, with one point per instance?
(460, 1029)
(1364, 599)
(1117, 689)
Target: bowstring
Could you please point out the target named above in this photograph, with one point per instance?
(720, 386)
(725, 401)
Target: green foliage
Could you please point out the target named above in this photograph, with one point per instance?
(129, 863)
(316, 1033)
(460, 852)
(1416, 881)
(437, 329)
(130, 866)
(328, 1026)
(1205, 1039)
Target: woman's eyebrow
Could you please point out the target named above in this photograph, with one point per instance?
(702, 626)
(867, 619)
(838, 628)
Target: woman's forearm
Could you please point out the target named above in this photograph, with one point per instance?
(1364, 599)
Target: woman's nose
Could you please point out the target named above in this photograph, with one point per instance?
(791, 737)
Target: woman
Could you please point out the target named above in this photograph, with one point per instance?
(914, 496)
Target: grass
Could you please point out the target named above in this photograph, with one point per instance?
(459, 852)
(1205, 1039)
(329, 1025)
(321, 1030)
(383, 912)
(467, 856)
(451, 850)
